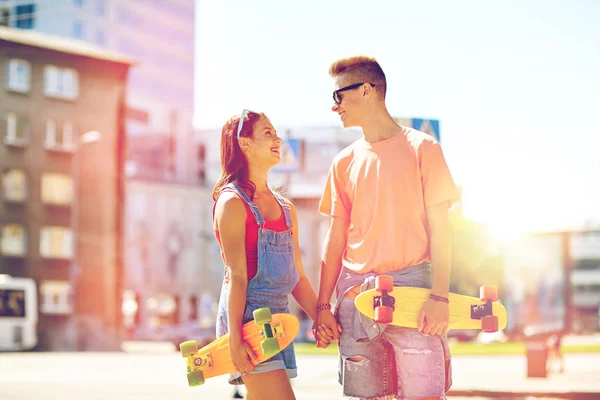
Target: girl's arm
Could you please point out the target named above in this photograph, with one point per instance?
(230, 221)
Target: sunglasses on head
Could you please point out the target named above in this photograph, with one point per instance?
(336, 93)
(242, 118)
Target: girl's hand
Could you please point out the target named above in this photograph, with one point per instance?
(243, 357)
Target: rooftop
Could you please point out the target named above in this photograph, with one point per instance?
(63, 45)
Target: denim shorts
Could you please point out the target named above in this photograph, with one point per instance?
(282, 360)
(401, 362)
(286, 359)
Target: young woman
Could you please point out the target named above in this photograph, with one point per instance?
(257, 231)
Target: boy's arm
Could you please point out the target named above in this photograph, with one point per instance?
(331, 265)
(441, 248)
(434, 316)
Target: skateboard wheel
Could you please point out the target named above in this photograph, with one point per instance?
(489, 323)
(384, 282)
(383, 314)
(262, 316)
(188, 348)
(270, 346)
(488, 292)
(195, 378)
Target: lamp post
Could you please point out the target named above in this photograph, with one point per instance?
(86, 138)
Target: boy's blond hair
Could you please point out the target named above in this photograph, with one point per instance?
(361, 69)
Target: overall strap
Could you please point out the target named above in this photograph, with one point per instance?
(286, 210)
(260, 221)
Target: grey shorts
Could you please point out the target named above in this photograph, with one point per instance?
(401, 362)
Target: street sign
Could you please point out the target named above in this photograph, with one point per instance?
(290, 156)
(429, 126)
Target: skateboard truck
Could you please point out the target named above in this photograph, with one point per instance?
(484, 312)
(203, 362)
(385, 300)
(384, 304)
(272, 331)
(269, 344)
(478, 311)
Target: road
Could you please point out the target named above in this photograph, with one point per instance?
(147, 375)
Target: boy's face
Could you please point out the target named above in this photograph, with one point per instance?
(351, 101)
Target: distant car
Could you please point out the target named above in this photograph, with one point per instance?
(492, 337)
(463, 335)
(177, 334)
(305, 335)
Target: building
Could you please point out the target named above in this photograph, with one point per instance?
(167, 279)
(158, 34)
(162, 157)
(584, 249)
(58, 97)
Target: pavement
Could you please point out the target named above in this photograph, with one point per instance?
(144, 373)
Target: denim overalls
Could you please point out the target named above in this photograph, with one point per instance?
(274, 281)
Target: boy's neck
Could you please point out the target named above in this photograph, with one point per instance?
(380, 126)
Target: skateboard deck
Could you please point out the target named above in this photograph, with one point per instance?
(466, 312)
(267, 335)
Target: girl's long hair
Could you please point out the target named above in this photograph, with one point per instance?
(234, 164)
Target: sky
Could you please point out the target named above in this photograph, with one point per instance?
(515, 85)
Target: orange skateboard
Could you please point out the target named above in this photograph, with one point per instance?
(399, 305)
(267, 335)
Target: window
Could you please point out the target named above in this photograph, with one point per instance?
(14, 185)
(56, 298)
(59, 139)
(179, 38)
(587, 264)
(62, 83)
(17, 75)
(100, 8)
(56, 242)
(184, 13)
(66, 139)
(57, 189)
(193, 308)
(5, 16)
(13, 241)
(12, 303)
(50, 132)
(17, 129)
(25, 16)
(100, 39)
(52, 83)
(202, 163)
(77, 30)
(79, 3)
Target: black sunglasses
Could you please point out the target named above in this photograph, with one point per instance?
(336, 93)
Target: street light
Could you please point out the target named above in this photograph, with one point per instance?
(86, 138)
(89, 137)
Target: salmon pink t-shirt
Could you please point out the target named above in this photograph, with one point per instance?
(383, 190)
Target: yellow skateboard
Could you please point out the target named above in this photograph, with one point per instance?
(267, 335)
(401, 306)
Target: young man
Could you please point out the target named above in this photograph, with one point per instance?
(388, 195)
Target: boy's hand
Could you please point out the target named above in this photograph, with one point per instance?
(433, 318)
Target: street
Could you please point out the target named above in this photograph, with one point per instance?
(159, 373)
